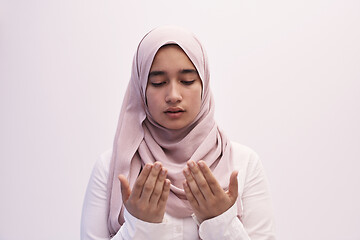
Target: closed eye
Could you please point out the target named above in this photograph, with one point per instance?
(157, 84)
(188, 82)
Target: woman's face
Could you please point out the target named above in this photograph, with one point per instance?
(174, 87)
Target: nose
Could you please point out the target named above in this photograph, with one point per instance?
(173, 94)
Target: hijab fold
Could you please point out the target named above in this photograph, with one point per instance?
(139, 139)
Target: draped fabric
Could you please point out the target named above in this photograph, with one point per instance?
(140, 140)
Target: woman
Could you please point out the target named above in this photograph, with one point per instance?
(172, 173)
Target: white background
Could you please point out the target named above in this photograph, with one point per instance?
(286, 80)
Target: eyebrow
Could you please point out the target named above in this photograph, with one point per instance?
(183, 71)
(188, 71)
(156, 73)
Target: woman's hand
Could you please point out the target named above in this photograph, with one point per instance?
(147, 200)
(204, 193)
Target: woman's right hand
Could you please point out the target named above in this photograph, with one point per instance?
(147, 200)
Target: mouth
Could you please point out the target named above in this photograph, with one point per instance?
(174, 112)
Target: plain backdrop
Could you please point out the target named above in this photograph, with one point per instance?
(285, 76)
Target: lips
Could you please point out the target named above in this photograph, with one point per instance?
(174, 110)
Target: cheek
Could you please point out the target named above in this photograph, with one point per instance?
(151, 100)
(196, 99)
(149, 95)
(199, 93)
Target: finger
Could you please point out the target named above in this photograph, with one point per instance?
(233, 186)
(158, 189)
(190, 197)
(140, 181)
(125, 188)
(150, 182)
(210, 178)
(193, 186)
(199, 179)
(164, 194)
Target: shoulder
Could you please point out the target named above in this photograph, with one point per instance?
(243, 156)
(242, 150)
(105, 157)
(247, 162)
(102, 165)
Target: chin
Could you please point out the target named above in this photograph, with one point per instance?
(174, 126)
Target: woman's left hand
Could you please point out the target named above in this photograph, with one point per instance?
(205, 194)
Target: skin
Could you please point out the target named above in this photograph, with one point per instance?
(174, 83)
(206, 196)
(148, 198)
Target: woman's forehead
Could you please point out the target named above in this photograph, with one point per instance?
(162, 38)
(172, 54)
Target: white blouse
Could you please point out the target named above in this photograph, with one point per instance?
(257, 221)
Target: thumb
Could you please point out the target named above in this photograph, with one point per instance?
(125, 188)
(233, 186)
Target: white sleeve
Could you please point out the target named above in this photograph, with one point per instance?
(226, 226)
(95, 213)
(257, 219)
(258, 215)
(134, 228)
(95, 207)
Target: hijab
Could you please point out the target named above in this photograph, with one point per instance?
(140, 140)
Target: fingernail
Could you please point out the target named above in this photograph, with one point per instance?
(163, 172)
(191, 163)
(157, 165)
(201, 164)
(147, 166)
(186, 171)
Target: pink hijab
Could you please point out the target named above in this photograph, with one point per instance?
(140, 140)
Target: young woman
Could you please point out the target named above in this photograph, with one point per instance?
(172, 173)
